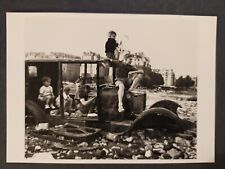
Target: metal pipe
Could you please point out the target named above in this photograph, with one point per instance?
(98, 90)
(61, 90)
(85, 72)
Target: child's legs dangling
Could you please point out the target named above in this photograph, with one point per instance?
(136, 81)
(120, 95)
(51, 102)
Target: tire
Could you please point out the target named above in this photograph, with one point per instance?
(167, 104)
(159, 118)
(37, 112)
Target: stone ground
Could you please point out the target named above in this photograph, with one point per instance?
(139, 144)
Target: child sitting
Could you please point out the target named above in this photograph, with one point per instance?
(67, 100)
(84, 104)
(46, 93)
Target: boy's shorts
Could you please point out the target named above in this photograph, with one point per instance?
(44, 98)
(126, 81)
(110, 55)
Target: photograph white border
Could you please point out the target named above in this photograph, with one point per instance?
(16, 90)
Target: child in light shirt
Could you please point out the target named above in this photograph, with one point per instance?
(67, 100)
(46, 93)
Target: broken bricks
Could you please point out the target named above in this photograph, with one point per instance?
(137, 144)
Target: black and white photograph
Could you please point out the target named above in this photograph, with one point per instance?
(111, 88)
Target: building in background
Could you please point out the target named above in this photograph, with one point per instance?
(92, 68)
(168, 76)
(70, 72)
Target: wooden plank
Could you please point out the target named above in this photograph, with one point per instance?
(61, 90)
(64, 61)
(98, 90)
(85, 72)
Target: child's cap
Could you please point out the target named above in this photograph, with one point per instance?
(45, 78)
(112, 32)
(67, 89)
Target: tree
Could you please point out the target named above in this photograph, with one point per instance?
(152, 79)
(179, 82)
(186, 82)
(156, 78)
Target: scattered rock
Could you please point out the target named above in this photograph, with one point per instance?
(115, 156)
(127, 153)
(96, 144)
(135, 157)
(77, 158)
(62, 156)
(148, 154)
(187, 143)
(106, 151)
(141, 134)
(166, 156)
(173, 152)
(194, 142)
(37, 148)
(83, 144)
(28, 154)
(129, 139)
(176, 146)
(158, 150)
(59, 126)
(43, 156)
(166, 142)
(31, 148)
(179, 140)
(110, 154)
(158, 146)
(100, 154)
(112, 137)
(70, 154)
(179, 155)
(142, 149)
(168, 146)
(148, 147)
(115, 147)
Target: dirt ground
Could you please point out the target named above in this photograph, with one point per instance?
(139, 144)
(189, 108)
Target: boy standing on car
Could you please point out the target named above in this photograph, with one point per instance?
(111, 46)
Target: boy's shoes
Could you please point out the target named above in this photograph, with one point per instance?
(47, 106)
(120, 108)
(52, 106)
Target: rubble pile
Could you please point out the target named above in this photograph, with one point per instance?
(147, 143)
(139, 144)
(36, 145)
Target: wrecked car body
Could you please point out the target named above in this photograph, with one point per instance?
(109, 127)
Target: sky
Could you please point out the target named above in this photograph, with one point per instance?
(168, 41)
